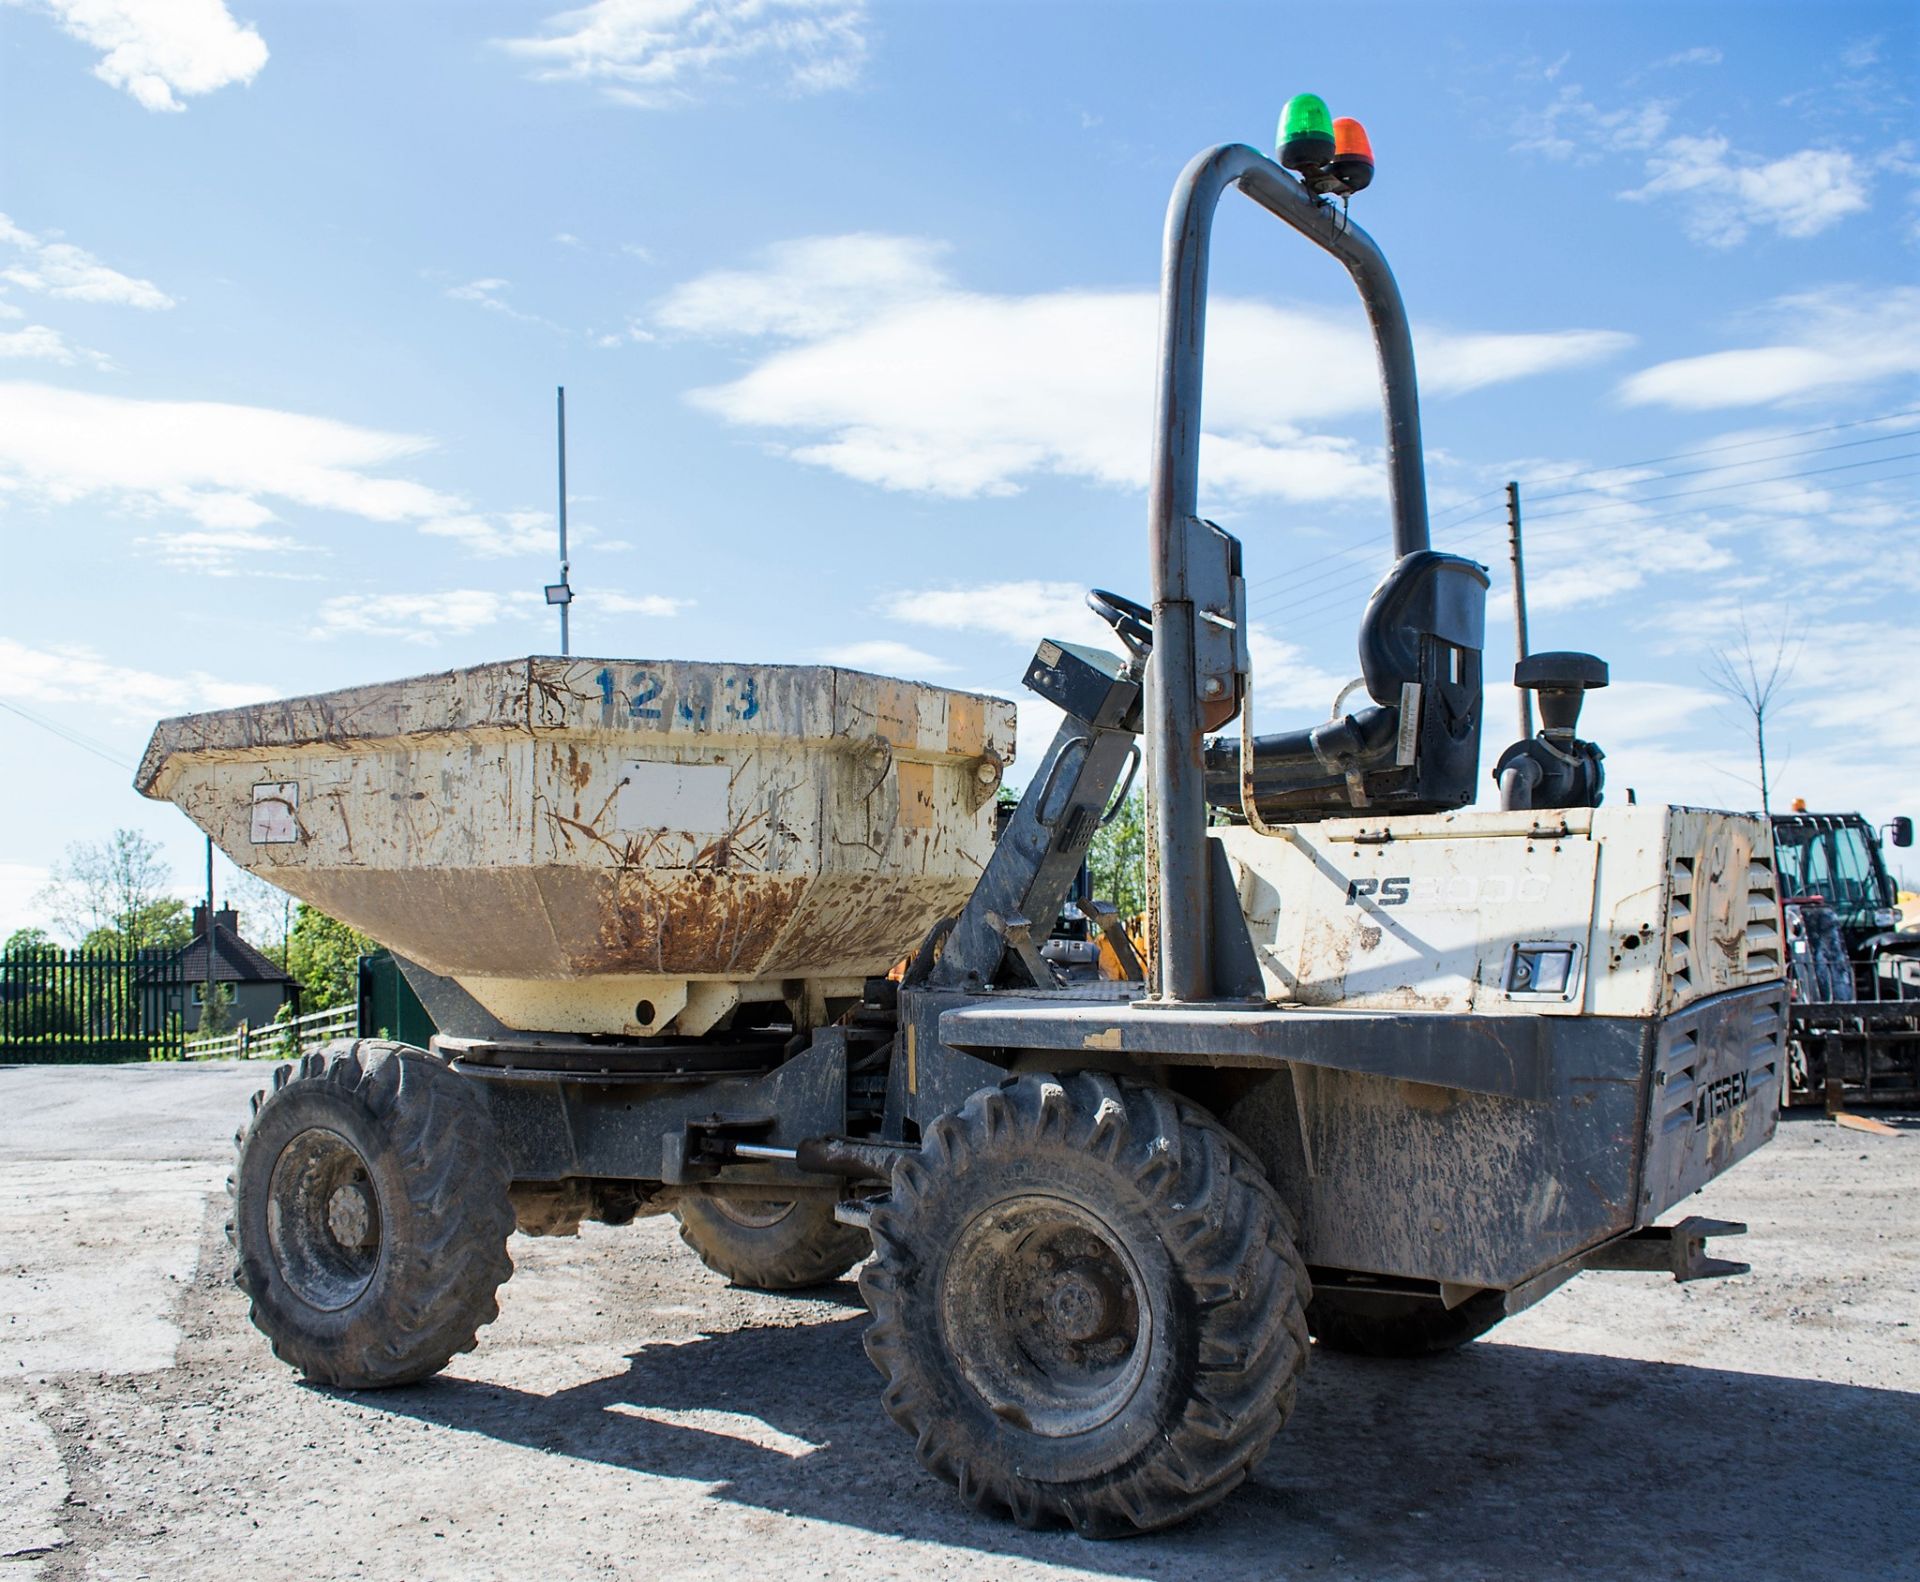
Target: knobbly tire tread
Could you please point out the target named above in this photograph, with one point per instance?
(1405, 1328)
(1240, 1287)
(807, 1248)
(443, 1250)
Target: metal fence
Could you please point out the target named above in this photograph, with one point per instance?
(278, 1040)
(76, 1006)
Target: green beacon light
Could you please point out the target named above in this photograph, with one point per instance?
(1306, 133)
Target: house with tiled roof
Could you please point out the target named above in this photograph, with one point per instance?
(252, 983)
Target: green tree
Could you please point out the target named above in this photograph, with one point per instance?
(31, 1010)
(119, 885)
(216, 1010)
(162, 924)
(1117, 859)
(323, 954)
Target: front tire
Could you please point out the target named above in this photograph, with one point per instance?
(1087, 1304)
(771, 1246)
(370, 1215)
(1369, 1324)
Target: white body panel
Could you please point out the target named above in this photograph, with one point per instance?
(1662, 905)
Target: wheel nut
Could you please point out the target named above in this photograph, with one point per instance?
(350, 1216)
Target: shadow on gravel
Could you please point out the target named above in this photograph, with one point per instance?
(1496, 1461)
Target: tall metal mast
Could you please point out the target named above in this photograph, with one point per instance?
(561, 592)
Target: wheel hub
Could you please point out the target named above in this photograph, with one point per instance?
(1085, 1304)
(323, 1219)
(1042, 1310)
(350, 1215)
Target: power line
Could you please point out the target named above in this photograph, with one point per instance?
(1730, 466)
(1367, 578)
(1341, 571)
(1564, 534)
(1715, 450)
(1738, 483)
(1594, 472)
(85, 744)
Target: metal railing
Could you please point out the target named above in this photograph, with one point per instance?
(278, 1040)
(60, 1005)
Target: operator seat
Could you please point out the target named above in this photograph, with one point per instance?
(1417, 749)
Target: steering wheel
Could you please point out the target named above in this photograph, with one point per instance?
(1131, 621)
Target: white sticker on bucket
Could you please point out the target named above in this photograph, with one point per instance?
(687, 798)
(276, 821)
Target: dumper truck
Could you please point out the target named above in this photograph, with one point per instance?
(1394, 1068)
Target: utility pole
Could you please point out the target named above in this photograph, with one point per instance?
(213, 949)
(561, 592)
(1519, 603)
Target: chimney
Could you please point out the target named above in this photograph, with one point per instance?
(228, 918)
(199, 919)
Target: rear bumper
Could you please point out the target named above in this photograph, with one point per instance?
(1715, 1092)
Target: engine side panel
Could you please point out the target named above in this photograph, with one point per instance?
(1425, 1182)
(1717, 1069)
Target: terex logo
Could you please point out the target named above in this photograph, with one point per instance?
(1717, 1098)
(1383, 892)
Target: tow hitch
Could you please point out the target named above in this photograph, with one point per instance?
(1679, 1250)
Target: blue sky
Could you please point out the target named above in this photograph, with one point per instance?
(854, 307)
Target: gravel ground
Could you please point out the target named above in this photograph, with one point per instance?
(630, 1415)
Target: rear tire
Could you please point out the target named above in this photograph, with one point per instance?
(370, 1215)
(1395, 1325)
(771, 1246)
(1086, 1304)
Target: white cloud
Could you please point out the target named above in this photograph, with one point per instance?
(59, 269)
(421, 617)
(1722, 192)
(886, 656)
(809, 287)
(893, 375)
(1830, 342)
(1023, 612)
(493, 538)
(221, 466)
(656, 54)
(71, 675)
(1699, 55)
(160, 50)
(1284, 678)
(632, 333)
(39, 342)
(220, 551)
(488, 294)
(598, 601)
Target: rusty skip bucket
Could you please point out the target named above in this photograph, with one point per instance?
(610, 846)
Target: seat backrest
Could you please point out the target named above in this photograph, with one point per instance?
(1427, 595)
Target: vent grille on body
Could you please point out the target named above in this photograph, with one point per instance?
(1680, 926)
(1763, 955)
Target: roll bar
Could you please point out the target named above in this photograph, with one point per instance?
(1185, 585)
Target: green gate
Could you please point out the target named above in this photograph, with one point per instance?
(86, 1006)
(388, 1006)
